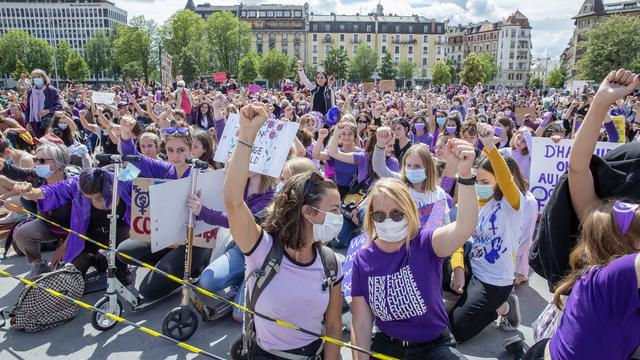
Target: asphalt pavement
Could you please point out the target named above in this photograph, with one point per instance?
(77, 339)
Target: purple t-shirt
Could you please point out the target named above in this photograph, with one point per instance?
(344, 171)
(602, 315)
(362, 163)
(425, 138)
(403, 289)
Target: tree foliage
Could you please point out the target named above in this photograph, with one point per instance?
(97, 53)
(405, 70)
(473, 69)
(228, 39)
(536, 83)
(441, 74)
(63, 54)
(363, 64)
(76, 67)
(132, 70)
(336, 62)
(556, 77)
(32, 52)
(273, 66)
(489, 65)
(612, 44)
(20, 70)
(186, 29)
(386, 71)
(453, 70)
(188, 66)
(132, 44)
(248, 68)
(150, 28)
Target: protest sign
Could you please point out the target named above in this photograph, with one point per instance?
(387, 85)
(105, 98)
(169, 214)
(549, 161)
(620, 123)
(368, 86)
(521, 111)
(140, 208)
(220, 77)
(253, 89)
(166, 64)
(270, 149)
(347, 268)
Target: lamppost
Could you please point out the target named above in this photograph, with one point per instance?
(55, 60)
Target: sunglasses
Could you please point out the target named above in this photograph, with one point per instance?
(380, 216)
(173, 130)
(41, 161)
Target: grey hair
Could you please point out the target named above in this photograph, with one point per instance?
(59, 154)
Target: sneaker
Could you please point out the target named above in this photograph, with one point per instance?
(513, 316)
(505, 325)
(515, 346)
(38, 269)
(11, 218)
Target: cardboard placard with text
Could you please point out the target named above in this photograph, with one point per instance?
(521, 111)
(141, 208)
(104, 98)
(388, 85)
(368, 86)
(220, 77)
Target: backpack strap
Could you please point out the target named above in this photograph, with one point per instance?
(330, 265)
(267, 271)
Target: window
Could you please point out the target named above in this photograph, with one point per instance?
(410, 50)
(259, 37)
(341, 27)
(510, 66)
(259, 48)
(410, 60)
(426, 29)
(353, 49)
(425, 61)
(355, 38)
(279, 13)
(284, 37)
(425, 50)
(396, 38)
(439, 50)
(286, 13)
(397, 28)
(368, 28)
(397, 50)
(297, 13)
(341, 37)
(410, 28)
(326, 48)
(327, 27)
(314, 48)
(513, 33)
(314, 37)
(369, 38)
(410, 38)
(384, 38)
(355, 27)
(384, 49)
(315, 60)
(269, 13)
(425, 39)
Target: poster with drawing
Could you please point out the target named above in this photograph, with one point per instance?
(140, 208)
(270, 149)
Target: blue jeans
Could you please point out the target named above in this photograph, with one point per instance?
(349, 230)
(227, 270)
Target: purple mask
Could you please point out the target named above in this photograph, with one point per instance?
(419, 126)
(624, 213)
(451, 130)
(498, 130)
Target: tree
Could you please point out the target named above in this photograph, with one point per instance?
(228, 38)
(132, 70)
(363, 63)
(310, 70)
(182, 28)
(292, 69)
(489, 65)
(612, 44)
(556, 77)
(386, 71)
(17, 46)
(132, 44)
(19, 71)
(440, 74)
(188, 66)
(97, 53)
(536, 83)
(63, 54)
(76, 68)
(273, 66)
(248, 68)
(404, 71)
(336, 62)
(453, 70)
(150, 28)
(473, 69)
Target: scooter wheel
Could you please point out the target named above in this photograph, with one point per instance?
(236, 350)
(102, 322)
(180, 323)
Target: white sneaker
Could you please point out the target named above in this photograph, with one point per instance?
(11, 218)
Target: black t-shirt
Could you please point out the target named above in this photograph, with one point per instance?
(399, 152)
(99, 225)
(319, 103)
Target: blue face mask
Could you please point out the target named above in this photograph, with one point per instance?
(279, 187)
(43, 171)
(63, 126)
(38, 82)
(484, 191)
(129, 173)
(441, 121)
(415, 176)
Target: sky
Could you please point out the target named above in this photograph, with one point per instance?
(550, 19)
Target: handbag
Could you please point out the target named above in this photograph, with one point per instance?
(545, 326)
(355, 196)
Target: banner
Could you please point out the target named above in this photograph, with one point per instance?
(220, 77)
(253, 89)
(347, 268)
(387, 85)
(368, 86)
(169, 214)
(105, 98)
(140, 208)
(166, 65)
(270, 149)
(549, 161)
(520, 112)
(620, 123)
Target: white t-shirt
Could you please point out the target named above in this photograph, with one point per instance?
(295, 295)
(433, 209)
(529, 217)
(495, 242)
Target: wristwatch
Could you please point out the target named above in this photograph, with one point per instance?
(468, 181)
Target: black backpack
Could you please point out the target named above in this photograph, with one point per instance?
(264, 275)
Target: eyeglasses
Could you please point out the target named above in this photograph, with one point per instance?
(380, 216)
(41, 161)
(173, 130)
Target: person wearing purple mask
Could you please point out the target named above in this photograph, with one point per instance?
(503, 128)
(421, 133)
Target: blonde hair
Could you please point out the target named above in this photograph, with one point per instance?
(299, 165)
(348, 118)
(513, 139)
(42, 74)
(354, 128)
(422, 151)
(398, 192)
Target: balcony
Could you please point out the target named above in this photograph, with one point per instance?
(327, 39)
(441, 42)
(402, 42)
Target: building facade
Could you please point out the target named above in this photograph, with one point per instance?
(590, 14)
(54, 20)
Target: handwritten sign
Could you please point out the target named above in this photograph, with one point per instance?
(620, 123)
(368, 86)
(270, 149)
(253, 89)
(169, 214)
(166, 68)
(220, 77)
(522, 111)
(140, 208)
(105, 98)
(347, 268)
(387, 85)
(550, 160)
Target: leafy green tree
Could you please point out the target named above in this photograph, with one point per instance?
(292, 69)
(536, 83)
(20, 70)
(273, 66)
(404, 71)
(63, 54)
(132, 44)
(363, 64)
(132, 70)
(228, 38)
(310, 70)
(97, 53)
(248, 68)
(490, 66)
(18, 45)
(473, 69)
(612, 44)
(556, 77)
(183, 28)
(440, 73)
(336, 62)
(188, 66)
(386, 71)
(453, 71)
(150, 27)
(76, 68)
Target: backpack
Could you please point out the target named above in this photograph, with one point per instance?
(38, 310)
(264, 275)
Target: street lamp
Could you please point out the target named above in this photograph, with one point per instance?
(55, 61)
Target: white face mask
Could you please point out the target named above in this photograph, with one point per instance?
(329, 229)
(392, 231)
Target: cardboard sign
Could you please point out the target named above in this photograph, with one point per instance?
(105, 98)
(550, 160)
(620, 123)
(169, 214)
(141, 208)
(368, 86)
(522, 111)
(270, 149)
(220, 77)
(166, 65)
(253, 89)
(347, 268)
(388, 85)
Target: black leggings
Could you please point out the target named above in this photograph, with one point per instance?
(476, 308)
(438, 349)
(536, 352)
(87, 257)
(154, 285)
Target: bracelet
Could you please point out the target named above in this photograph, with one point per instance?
(379, 148)
(245, 144)
(470, 181)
